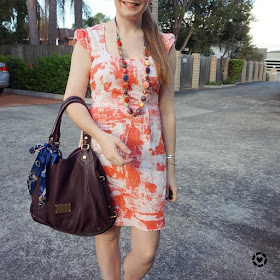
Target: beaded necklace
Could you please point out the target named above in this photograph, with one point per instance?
(146, 83)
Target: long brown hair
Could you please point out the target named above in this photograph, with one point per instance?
(156, 46)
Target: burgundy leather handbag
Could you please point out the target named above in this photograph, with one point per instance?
(70, 195)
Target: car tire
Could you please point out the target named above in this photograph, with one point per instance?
(1, 90)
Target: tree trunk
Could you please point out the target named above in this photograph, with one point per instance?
(32, 22)
(78, 14)
(179, 18)
(155, 10)
(187, 39)
(52, 22)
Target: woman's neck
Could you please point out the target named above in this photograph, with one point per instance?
(128, 26)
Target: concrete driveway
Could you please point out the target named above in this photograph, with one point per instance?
(229, 204)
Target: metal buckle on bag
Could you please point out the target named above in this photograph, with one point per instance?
(85, 145)
(114, 216)
(101, 179)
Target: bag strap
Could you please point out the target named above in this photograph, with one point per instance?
(55, 135)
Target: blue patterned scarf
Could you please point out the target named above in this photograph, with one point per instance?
(47, 153)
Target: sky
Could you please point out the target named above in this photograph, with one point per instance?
(265, 30)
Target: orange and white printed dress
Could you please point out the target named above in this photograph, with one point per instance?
(137, 189)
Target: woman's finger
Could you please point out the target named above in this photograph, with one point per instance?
(123, 147)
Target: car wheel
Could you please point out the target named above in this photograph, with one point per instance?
(1, 90)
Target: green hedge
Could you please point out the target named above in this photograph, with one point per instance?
(49, 74)
(235, 69)
(19, 72)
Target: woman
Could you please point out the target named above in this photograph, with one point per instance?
(132, 123)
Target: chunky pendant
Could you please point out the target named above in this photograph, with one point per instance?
(125, 78)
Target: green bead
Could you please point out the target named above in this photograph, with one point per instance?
(118, 37)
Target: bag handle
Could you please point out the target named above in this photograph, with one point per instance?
(55, 135)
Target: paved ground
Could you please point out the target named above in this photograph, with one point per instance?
(228, 209)
(10, 100)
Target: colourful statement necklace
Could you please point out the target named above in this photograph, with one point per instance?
(146, 83)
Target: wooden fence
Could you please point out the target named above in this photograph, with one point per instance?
(30, 53)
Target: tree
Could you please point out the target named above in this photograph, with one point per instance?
(96, 19)
(250, 53)
(200, 24)
(52, 22)
(171, 15)
(13, 21)
(236, 21)
(78, 6)
(32, 22)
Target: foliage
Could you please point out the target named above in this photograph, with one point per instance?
(235, 69)
(250, 53)
(214, 83)
(206, 22)
(19, 72)
(96, 19)
(50, 74)
(13, 25)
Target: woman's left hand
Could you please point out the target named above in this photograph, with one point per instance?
(171, 183)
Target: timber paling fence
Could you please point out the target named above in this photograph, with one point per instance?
(30, 53)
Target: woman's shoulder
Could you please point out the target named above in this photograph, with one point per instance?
(96, 28)
(169, 39)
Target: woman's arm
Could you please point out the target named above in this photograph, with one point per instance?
(168, 121)
(77, 85)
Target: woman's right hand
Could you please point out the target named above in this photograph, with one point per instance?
(110, 145)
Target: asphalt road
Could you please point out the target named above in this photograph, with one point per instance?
(228, 208)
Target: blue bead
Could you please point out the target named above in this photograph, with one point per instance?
(148, 70)
(125, 77)
(138, 111)
(143, 98)
(125, 92)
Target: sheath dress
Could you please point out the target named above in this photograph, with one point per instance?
(137, 189)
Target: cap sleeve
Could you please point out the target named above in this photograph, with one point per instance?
(169, 40)
(82, 36)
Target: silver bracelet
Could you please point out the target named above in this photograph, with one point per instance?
(171, 162)
(170, 156)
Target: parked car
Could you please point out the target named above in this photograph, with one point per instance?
(4, 76)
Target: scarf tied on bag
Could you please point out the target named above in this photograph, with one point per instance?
(46, 154)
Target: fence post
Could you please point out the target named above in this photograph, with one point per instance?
(261, 72)
(273, 74)
(264, 71)
(225, 68)
(243, 74)
(213, 68)
(250, 76)
(178, 71)
(196, 70)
